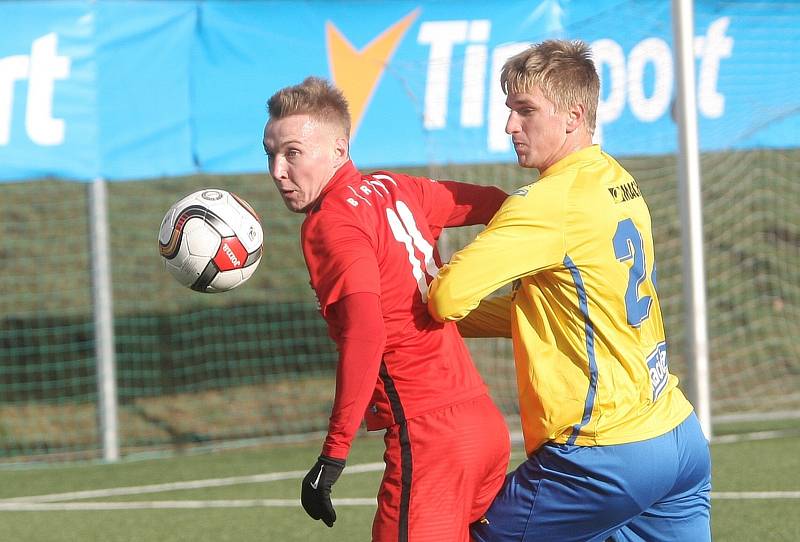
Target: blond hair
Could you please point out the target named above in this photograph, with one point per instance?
(315, 97)
(563, 71)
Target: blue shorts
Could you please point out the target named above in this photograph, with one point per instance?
(653, 490)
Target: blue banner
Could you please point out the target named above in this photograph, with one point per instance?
(131, 90)
(92, 90)
(144, 108)
(48, 94)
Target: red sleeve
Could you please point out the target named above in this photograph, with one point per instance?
(358, 323)
(340, 257)
(450, 203)
(471, 203)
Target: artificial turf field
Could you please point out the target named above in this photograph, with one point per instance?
(252, 494)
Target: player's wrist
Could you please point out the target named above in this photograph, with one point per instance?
(332, 461)
(335, 450)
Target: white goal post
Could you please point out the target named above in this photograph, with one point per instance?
(691, 208)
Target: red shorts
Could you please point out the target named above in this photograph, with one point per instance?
(443, 469)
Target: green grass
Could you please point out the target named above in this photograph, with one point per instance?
(761, 465)
(768, 465)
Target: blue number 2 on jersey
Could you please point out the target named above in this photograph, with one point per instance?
(628, 244)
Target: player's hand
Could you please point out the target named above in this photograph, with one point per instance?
(316, 489)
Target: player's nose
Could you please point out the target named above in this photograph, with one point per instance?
(277, 168)
(512, 124)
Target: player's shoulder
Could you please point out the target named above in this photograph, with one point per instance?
(348, 203)
(372, 191)
(543, 191)
(393, 177)
(535, 201)
(401, 181)
(343, 200)
(327, 226)
(382, 176)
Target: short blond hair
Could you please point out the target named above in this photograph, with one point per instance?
(315, 97)
(563, 71)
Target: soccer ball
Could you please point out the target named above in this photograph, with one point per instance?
(211, 240)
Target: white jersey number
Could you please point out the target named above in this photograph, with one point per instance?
(405, 230)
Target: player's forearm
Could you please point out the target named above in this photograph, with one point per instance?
(513, 245)
(361, 345)
(460, 286)
(492, 318)
(356, 375)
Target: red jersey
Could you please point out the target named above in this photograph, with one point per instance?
(377, 234)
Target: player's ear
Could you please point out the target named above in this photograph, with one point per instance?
(576, 116)
(341, 150)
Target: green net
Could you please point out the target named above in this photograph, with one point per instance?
(256, 362)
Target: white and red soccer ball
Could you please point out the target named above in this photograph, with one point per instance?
(211, 240)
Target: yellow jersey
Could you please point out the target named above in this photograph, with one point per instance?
(584, 315)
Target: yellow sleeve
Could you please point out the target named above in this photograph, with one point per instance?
(492, 318)
(525, 236)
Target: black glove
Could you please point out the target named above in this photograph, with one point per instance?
(316, 492)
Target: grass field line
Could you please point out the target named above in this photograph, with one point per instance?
(283, 503)
(163, 505)
(746, 495)
(755, 435)
(190, 484)
(7, 504)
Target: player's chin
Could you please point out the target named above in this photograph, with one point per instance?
(526, 161)
(294, 205)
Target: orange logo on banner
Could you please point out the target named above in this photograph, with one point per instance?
(357, 73)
